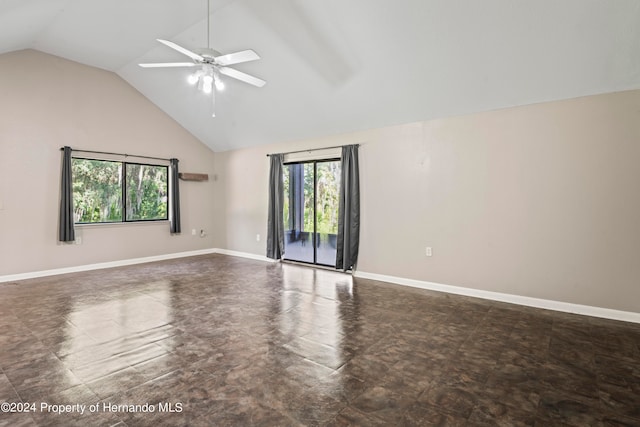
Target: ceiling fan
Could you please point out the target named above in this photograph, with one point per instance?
(211, 64)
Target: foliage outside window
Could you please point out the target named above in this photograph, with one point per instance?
(328, 192)
(112, 191)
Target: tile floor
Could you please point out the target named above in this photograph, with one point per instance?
(218, 340)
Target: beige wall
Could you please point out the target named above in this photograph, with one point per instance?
(47, 102)
(539, 201)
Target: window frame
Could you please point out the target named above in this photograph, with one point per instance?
(123, 196)
(314, 162)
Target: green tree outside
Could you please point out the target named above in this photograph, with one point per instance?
(328, 193)
(98, 191)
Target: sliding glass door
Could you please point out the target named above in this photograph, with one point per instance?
(311, 191)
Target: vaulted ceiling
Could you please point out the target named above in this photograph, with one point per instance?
(335, 66)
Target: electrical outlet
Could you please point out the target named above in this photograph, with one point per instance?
(257, 237)
(78, 240)
(193, 231)
(428, 251)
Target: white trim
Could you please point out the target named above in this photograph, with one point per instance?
(110, 264)
(244, 255)
(587, 310)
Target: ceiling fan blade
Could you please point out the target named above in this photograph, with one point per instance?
(182, 50)
(242, 76)
(168, 64)
(237, 57)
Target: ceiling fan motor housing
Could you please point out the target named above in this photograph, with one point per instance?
(209, 55)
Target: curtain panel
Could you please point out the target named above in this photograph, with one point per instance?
(66, 231)
(348, 239)
(275, 221)
(174, 197)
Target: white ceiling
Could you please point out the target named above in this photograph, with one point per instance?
(335, 66)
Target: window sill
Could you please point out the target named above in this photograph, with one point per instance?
(122, 224)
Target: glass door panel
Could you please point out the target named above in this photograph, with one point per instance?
(327, 196)
(298, 212)
(311, 191)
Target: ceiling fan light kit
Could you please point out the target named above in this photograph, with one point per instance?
(206, 77)
(212, 65)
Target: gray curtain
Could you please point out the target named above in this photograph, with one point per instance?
(66, 232)
(174, 197)
(275, 224)
(349, 210)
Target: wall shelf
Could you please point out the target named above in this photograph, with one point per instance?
(193, 176)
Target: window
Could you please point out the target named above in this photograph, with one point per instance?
(106, 191)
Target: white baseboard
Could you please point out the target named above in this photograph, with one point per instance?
(587, 310)
(244, 255)
(132, 261)
(566, 307)
(97, 266)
